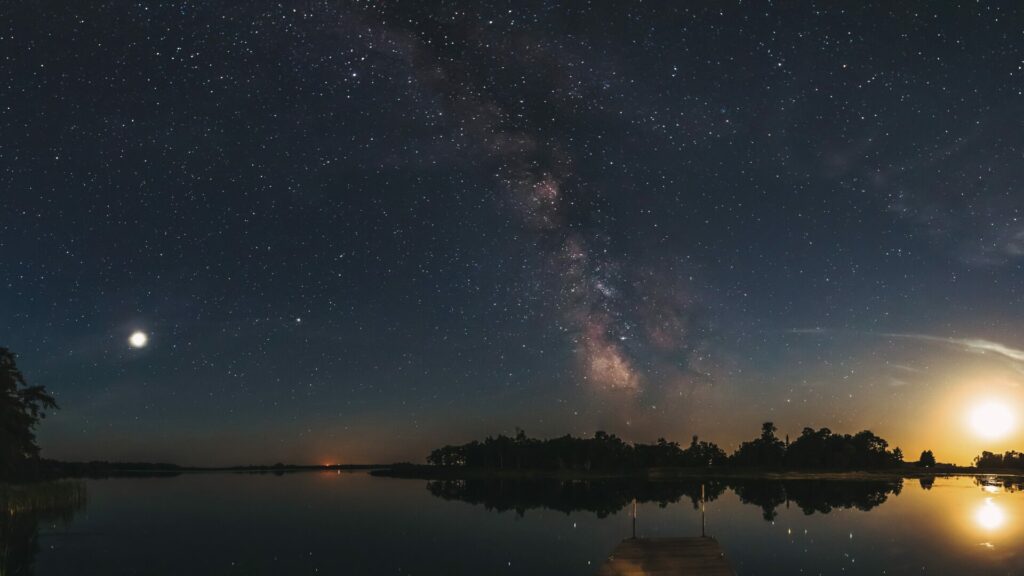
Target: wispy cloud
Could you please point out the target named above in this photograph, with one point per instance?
(973, 345)
(905, 368)
(809, 331)
(976, 345)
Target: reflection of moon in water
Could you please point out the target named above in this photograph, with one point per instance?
(989, 516)
(138, 339)
(991, 419)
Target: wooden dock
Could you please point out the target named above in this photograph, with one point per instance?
(676, 556)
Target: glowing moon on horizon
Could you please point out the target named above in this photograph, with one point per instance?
(991, 419)
(138, 339)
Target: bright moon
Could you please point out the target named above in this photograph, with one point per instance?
(991, 420)
(138, 339)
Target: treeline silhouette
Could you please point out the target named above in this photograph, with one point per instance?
(602, 452)
(1010, 460)
(813, 450)
(609, 496)
(818, 449)
(53, 469)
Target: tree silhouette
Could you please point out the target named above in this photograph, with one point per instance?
(927, 459)
(703, 454)
(814, 449)
(21, 408)
(1010, 459)
(767, 451)
(603, 452)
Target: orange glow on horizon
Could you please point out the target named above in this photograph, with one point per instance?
(978, 411)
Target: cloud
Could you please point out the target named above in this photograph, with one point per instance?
(971, 345)
(905, 368)
(809, 331)
(975, 345)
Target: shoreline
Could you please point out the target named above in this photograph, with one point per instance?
(428, 472)
(418, 472)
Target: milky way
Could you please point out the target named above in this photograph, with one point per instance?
(356, 230)
(607, 305)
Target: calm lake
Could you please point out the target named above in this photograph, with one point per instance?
(354, 523)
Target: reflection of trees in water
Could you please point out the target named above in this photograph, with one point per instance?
(1006, 483)
(24, 508)
(812, 496)
(767, 495)
(605, 497)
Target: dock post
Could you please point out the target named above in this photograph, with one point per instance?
(702, 510)
(634, 518)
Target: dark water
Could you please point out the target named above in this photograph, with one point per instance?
(352, 523)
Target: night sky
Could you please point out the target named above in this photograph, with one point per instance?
(355, 231)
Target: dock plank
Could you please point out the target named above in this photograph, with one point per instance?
(675, 556)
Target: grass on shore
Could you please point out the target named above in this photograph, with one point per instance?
(42, 497)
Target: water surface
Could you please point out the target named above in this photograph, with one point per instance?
(353, 523)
